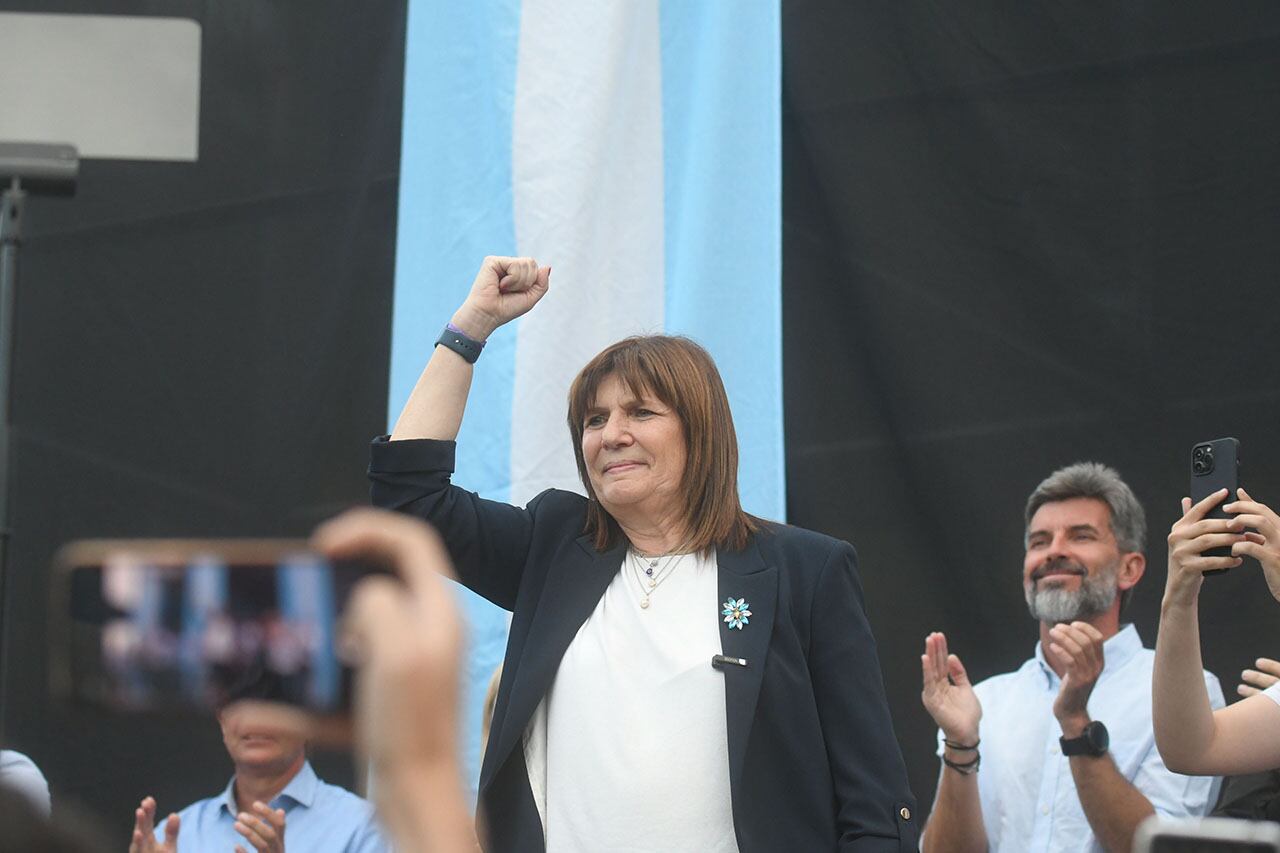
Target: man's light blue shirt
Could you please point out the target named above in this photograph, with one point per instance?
(318, 817)
(1029, 801)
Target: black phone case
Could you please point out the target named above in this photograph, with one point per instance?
(1224, 474)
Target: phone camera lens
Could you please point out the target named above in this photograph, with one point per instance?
(1202, 459)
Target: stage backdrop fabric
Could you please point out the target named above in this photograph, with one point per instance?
(634, 147)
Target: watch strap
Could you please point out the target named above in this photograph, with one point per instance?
(455, 339)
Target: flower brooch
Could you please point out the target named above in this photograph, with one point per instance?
(736, 612)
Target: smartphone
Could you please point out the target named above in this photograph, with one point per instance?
(171, 625)
(1206, 835)
(1215, 465)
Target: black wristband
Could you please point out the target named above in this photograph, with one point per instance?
(464, 346)
(964, 768)
(960, 747)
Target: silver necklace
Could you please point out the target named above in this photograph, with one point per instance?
(648, 574)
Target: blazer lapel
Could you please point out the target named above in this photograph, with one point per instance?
(574, 586)
(743, 574)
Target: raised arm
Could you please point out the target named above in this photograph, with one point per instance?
(505, 288)
(1193, 738)
(1111, 803)
(406, 637)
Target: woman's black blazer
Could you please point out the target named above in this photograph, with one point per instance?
(813, 761)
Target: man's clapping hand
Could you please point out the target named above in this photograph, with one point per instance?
(144, 830)
(947, 694)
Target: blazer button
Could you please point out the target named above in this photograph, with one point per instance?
(904, 813)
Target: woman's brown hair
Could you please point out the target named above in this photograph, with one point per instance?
(682, 375)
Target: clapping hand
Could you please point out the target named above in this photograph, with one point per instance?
(947, 694)
(263, 828)
(1077, 647)
(144, 830)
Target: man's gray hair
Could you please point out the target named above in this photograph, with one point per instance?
(1101, 482)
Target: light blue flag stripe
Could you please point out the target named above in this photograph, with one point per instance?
(455, 208)
(722, 123)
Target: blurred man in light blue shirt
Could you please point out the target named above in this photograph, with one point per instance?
(273, 797)
(1065, 743)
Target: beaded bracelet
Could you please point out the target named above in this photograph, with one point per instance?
(967, 768)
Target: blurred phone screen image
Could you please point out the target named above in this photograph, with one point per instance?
(158, 631)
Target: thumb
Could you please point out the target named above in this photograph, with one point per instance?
(171, 826)
(544, 278)
(956, 670)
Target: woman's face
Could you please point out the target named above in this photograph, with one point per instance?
(634, 448)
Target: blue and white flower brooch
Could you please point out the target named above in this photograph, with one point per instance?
(736, 612)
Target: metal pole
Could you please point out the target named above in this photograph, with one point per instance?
(11, 210)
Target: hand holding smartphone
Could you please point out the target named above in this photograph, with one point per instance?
(1215, 465)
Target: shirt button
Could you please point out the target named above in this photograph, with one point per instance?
(904, 813)
(1044, 810)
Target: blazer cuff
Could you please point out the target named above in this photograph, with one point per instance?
(412, 454)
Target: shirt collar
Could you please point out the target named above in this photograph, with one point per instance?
(1116, 652)
(301, 790)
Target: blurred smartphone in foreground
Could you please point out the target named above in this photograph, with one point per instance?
(1215, 465)
(1206, 835)
(168, 625)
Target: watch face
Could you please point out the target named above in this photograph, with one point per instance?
(1098, 737)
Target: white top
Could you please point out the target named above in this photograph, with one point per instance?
(1273, 693)
(21, 774)
(628, 751)
(1029, 800)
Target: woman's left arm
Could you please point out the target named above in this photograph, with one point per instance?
(1193, 738)
(873, 799)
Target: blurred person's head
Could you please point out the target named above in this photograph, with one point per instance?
(24, 830)
(260, 736)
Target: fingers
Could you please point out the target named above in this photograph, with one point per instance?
(1078, 646)
(376, 621)
(1250, 548)
(1246, 504)
(412, 547)
(264, 828)
(956, 671)
(1260, 680)
(1193, 513)
(935, 646)
(1246, 691)
(172, 824)
(144, 816)
(1260, 522)
(518, 274)
(1268, 666)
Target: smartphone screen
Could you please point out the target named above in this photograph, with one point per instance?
(172, 625)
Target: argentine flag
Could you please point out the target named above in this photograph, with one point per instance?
(633, 145)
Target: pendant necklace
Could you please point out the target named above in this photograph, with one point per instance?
(648, 574)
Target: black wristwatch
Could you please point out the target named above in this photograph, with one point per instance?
(1094, 741)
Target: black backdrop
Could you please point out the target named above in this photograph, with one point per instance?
(1018, 235)
(202, 348)
(1015, 236)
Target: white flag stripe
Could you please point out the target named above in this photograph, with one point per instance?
(587, 174)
